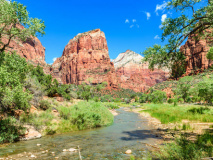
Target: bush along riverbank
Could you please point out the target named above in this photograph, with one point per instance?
(58, 117)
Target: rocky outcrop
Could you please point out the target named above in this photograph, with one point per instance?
(195, 50)
(135, 75)
(85, 59)
(31, 49)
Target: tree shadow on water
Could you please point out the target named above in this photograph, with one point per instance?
(139, 135)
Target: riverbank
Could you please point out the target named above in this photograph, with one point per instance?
(128, 132)
(170, 122)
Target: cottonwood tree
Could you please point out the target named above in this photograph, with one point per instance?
(195, 16)
(16, 23)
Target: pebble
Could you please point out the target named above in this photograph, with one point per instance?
(32, 156)
(47, 151)
(56, 157)
(64, 150)
(72, 150)
(38, 145)
(43, 152)
(128, 151)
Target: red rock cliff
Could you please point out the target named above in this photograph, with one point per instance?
(85, 59)
(135, 75)
(31, 49)
(195, 51)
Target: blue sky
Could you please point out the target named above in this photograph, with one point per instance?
(127, 24)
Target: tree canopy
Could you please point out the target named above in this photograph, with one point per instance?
(194, 17)
(16, 23)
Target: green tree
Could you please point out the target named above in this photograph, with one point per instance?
(195, 16)
(183, 87)
(210, 54)
(15, 23)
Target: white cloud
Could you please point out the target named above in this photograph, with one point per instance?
(137, 25)
(127, 21)
(54, 59)
(163, 17)
(148, 15)
(160, 7)
(134, 20)
(156, 37)
(131, 26)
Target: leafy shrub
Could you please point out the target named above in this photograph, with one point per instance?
(170, 100)
(44, 105)
(96, 99)
(111, 105)
(116, 100)
(10, 130)
(127, 100)
(35, 88)
(13, 70)
(157, 96)
(183, 87)
(180, 100)
(210, 54)
(87, 115)
(183, 148)
(143, 98)
(200, 110)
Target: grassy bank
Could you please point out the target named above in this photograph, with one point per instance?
(66, 118)
(168, 113)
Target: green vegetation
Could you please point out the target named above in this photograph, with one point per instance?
(84, 115)
(191, 20)
(13, 15)
(168, 113)
(183, 148)
(10, 130)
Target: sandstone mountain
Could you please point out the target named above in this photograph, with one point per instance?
(195, 51)
(85, 59)
(31, 49)
(135, 75)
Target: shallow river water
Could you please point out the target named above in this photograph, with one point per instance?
(129, 131)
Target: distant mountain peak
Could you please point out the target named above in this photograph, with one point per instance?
(126, 58)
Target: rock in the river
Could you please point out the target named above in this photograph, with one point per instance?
(128, 151)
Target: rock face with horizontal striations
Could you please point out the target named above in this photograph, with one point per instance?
(31, 49)
(195, 51)
(85, 59)
(135, 75)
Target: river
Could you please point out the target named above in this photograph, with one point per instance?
(129, 131)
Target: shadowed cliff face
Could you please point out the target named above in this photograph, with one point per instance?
(195, 51)
(85, 59)
(135, 75)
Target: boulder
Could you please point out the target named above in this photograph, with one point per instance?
(30, 133)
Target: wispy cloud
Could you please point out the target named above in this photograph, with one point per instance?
(131, 26)
(126, 21)
(54, 59)
(156, 37)
(160, 7)
(163, 17)
(148, 15)
(134, 20)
